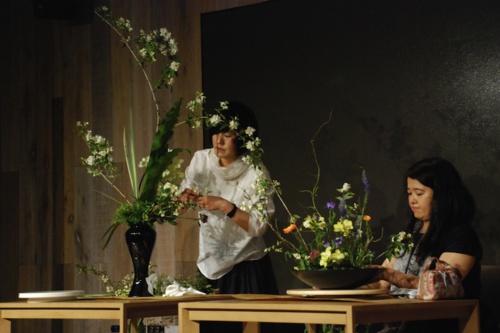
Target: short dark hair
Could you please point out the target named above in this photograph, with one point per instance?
(246, 118)
(452, 203)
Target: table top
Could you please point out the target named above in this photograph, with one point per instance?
(320, 304)
(110, 302)
(223, 301)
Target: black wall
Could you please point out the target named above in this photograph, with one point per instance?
(403, 80)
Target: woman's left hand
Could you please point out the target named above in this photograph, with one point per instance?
(215, 203)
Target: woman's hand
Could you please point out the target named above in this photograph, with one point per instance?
(188, 195)
(240, 217)
(209, 202)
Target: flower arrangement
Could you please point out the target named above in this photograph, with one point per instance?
(155, 194)
(337, 238)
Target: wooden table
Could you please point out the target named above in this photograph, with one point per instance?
(348, 312)
(119, 308)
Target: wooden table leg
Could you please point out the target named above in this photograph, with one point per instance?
(471, 323)
(5, 326)
(311, 328)
(251, 327)
(185, 324)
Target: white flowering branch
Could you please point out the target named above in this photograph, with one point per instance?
(155, 43)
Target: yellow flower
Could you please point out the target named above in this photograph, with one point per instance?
(308, 222)
(325, 256)
(338, 227)
(328, 257)
(337, 256)
(344, 227)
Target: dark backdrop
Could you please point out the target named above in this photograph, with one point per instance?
(403, 80)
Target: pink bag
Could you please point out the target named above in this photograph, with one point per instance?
(440, 281)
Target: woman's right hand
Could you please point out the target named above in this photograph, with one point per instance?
(188, 195)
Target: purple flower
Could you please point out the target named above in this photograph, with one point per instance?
(330, 205)
(365, 181)
(338, 241)
(327, 244)
(342, 208)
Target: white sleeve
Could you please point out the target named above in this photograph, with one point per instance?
(195, 173)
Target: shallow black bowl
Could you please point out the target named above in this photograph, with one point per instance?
(338, 279)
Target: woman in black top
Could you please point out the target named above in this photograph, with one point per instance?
(442, 210)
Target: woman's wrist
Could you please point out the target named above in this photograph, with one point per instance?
(233, 210)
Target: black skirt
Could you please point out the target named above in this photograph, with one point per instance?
(248, 277)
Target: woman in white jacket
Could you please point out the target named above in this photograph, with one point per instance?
(231, 245)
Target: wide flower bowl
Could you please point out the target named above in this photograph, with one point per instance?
(338, 279)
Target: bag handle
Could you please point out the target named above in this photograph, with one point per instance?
(436, 263)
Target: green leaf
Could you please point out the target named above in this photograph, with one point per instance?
(109, 234)
(130, 157)
(160, 157)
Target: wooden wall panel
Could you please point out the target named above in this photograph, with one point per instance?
(56, 73)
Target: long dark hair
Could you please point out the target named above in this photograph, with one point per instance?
(452, 203)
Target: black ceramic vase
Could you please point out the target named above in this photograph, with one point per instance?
(140, 241)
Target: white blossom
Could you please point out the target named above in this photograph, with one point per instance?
(249, 131)
(215, 119)
(174, 66)
(250, 145)
(233, 125)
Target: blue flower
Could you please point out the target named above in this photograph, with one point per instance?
(330, 205)
(338, 241)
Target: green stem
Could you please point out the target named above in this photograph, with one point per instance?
(115, 187)
(318, 172)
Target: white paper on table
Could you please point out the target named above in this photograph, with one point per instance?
(176, 289)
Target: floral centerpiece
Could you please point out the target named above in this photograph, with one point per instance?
(154, 193)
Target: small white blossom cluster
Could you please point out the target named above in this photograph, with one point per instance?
(100, 160)
(195, 108)
(400, 244)
(117, 288)
(169, 192)
(149, 46)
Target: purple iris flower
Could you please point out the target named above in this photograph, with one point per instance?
(364, 178)
(327, 244)
(338, 241)
(330, 205)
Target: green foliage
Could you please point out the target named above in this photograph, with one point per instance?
(160, 156)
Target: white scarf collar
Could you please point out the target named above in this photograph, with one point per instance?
(231, 172)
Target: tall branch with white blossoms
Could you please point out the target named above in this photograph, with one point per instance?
(146, 48)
